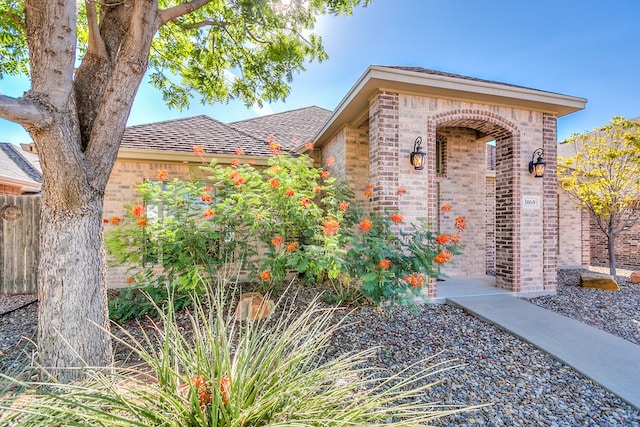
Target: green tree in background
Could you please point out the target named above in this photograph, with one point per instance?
(604, 176)
(86, 61)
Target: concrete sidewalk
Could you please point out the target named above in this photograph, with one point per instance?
(608, 360)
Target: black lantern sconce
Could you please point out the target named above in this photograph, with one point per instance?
(537, 164)
(417, 155)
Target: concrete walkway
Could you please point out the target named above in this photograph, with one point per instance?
(608, 360)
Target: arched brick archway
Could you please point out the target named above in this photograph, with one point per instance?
(488, 125)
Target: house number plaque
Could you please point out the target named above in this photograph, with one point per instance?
(531, 202)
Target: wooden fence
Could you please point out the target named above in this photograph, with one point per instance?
(19, 227)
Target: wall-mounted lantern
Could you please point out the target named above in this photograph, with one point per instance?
(537, 164)
(417, 155)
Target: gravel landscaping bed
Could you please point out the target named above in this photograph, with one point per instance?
(524, 386)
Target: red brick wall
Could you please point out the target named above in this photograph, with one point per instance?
(627, 247)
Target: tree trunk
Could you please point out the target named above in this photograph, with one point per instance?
(73, 320)
(611, 246)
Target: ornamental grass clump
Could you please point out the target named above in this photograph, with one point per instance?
(268, 373)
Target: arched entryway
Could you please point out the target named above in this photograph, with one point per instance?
(489, 200)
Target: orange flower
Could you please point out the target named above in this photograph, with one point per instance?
(274, 183)
(115, 220)
(330, 227)
(289, 192)
(234, 174)
(343, 206)
(318, 189)
(305, 202)
(330, 161)
(138, 210)
(442, 239)
(277, 240)
(239, 151)
(385, 263)
(325, 174)
(366, 225)
(291, 247)
(239, 180)
(198, 150)
(225, 389)
(401, 191)
(208, 189)
(308, 146)
(235, 162)
(202, 388)
(397, 218)
(142, 222)
(460, 223)
(455, 238)
(275, 148)
(162, 174)
(265, 276)
(208, 213)
(445, 208)
(131, 280)
(368, 187)
(275, 169)
(443, 256)
(415, 280)
(368, 193)
(251, 163)
(206, 198)
(271, 138)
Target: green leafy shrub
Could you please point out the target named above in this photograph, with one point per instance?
(234, 374)
(393, 264)
(286, 219)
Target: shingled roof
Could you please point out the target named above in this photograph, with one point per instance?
(290, 128)
(180, 135)
(453, 75)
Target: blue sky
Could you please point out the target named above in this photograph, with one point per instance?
(586, 49)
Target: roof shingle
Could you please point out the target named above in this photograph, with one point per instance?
(290, 128)
(181, 135)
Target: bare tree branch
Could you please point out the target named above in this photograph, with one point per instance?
(23, 112)
(174, 12)
(96, 43)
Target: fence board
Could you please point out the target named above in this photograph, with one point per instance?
(19, 246)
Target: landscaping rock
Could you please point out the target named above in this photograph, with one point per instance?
(635, 277)
(598, 281)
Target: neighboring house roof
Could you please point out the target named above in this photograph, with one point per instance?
(19, 168)
(418, 80)
(180, 135)
(291, 129)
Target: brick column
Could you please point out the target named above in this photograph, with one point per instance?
(508, 220)
(550, 230)
(384, 150)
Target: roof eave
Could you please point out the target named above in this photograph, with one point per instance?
(183, 157)
(25, 185)
(403, 81)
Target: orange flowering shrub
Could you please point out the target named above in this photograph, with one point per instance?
(307, 222)
(394, 264)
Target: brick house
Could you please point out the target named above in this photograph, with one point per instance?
(512, 217)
